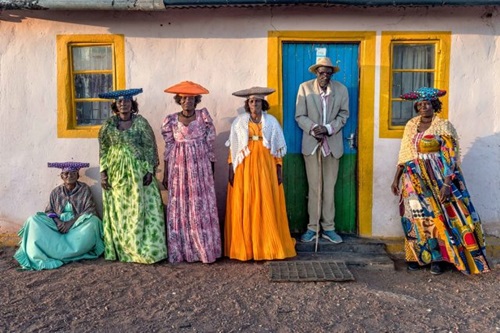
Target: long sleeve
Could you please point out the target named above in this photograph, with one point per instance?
(168, 136)
(82, 201)
(210, 134)
(53, 206)
(104, 144)
(149, 146)
(341, 118)
(301, 110)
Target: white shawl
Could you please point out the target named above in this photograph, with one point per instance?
(272, 137)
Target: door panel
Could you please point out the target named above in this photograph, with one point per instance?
(297, 57)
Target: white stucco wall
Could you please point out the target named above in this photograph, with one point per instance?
(226, 50)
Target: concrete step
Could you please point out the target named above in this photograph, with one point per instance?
(351, 259)
(350, 244)
(354, 251)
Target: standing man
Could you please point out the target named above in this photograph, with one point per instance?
(321, 111)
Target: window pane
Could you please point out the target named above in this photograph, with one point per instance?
(413, 56)
(90, 85)
(402, 112)
(408, 66)
(403, 82)
(92, 113)
(92, 58)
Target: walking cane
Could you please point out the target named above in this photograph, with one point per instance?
(320, 194)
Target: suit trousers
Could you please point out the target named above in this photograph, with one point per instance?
(328, 174)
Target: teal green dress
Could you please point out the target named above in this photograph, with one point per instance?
(133, 216)
(42, 246)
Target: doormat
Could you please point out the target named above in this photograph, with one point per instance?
(308, 271)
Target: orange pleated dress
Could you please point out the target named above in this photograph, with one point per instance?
(256, 224)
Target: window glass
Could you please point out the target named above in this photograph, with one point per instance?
(92, 113)
(413, 66)
(413, 56)
(92, 58)
(92, 73)
(90, 85)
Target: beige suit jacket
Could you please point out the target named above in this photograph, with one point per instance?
(308, 112)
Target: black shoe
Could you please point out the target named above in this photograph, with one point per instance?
(436, 268)
(413, 266)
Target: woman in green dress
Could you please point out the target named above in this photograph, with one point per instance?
(133, 218)
(69, 229)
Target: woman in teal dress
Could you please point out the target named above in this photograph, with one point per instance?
(68, 230)
(133, 217)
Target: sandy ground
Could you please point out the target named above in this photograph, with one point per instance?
(231, 296)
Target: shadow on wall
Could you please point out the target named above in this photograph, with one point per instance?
(91, 176)
(221, 166)
(221, 173)
(481, 168)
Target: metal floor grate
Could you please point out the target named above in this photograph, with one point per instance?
(307, 271)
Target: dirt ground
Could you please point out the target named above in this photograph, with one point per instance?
(231, 296)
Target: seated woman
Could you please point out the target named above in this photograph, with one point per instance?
(69, 230)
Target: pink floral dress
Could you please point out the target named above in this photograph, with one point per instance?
(193, 232)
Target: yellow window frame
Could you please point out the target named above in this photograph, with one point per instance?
(442, 42)
(66, 107)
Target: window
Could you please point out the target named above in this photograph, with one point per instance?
(410, 61)
(87, 65)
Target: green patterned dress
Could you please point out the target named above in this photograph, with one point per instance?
(133, 218)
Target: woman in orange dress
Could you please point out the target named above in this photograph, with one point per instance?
(256, 224)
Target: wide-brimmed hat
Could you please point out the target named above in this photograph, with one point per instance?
(323, 62)
(68, 166)
(121, 94)
(187, 88)
(257, 92)
(424, 94)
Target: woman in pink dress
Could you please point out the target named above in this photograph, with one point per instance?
(193, 232)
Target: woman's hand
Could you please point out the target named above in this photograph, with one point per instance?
(67, 226)
(231, 174)
(395, 182)
(64, 227)
(59, 224)
(104, 181)
(444, 193)
(395, 187)
(280, 174)
(148, 179)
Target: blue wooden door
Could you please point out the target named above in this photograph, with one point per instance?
(297, 57)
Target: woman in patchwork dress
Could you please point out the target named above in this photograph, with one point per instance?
(439, 221)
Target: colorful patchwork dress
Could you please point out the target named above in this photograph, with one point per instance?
(256, 224)
(435, 231)
(133, 217)
(42, 246)
(193, 229)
